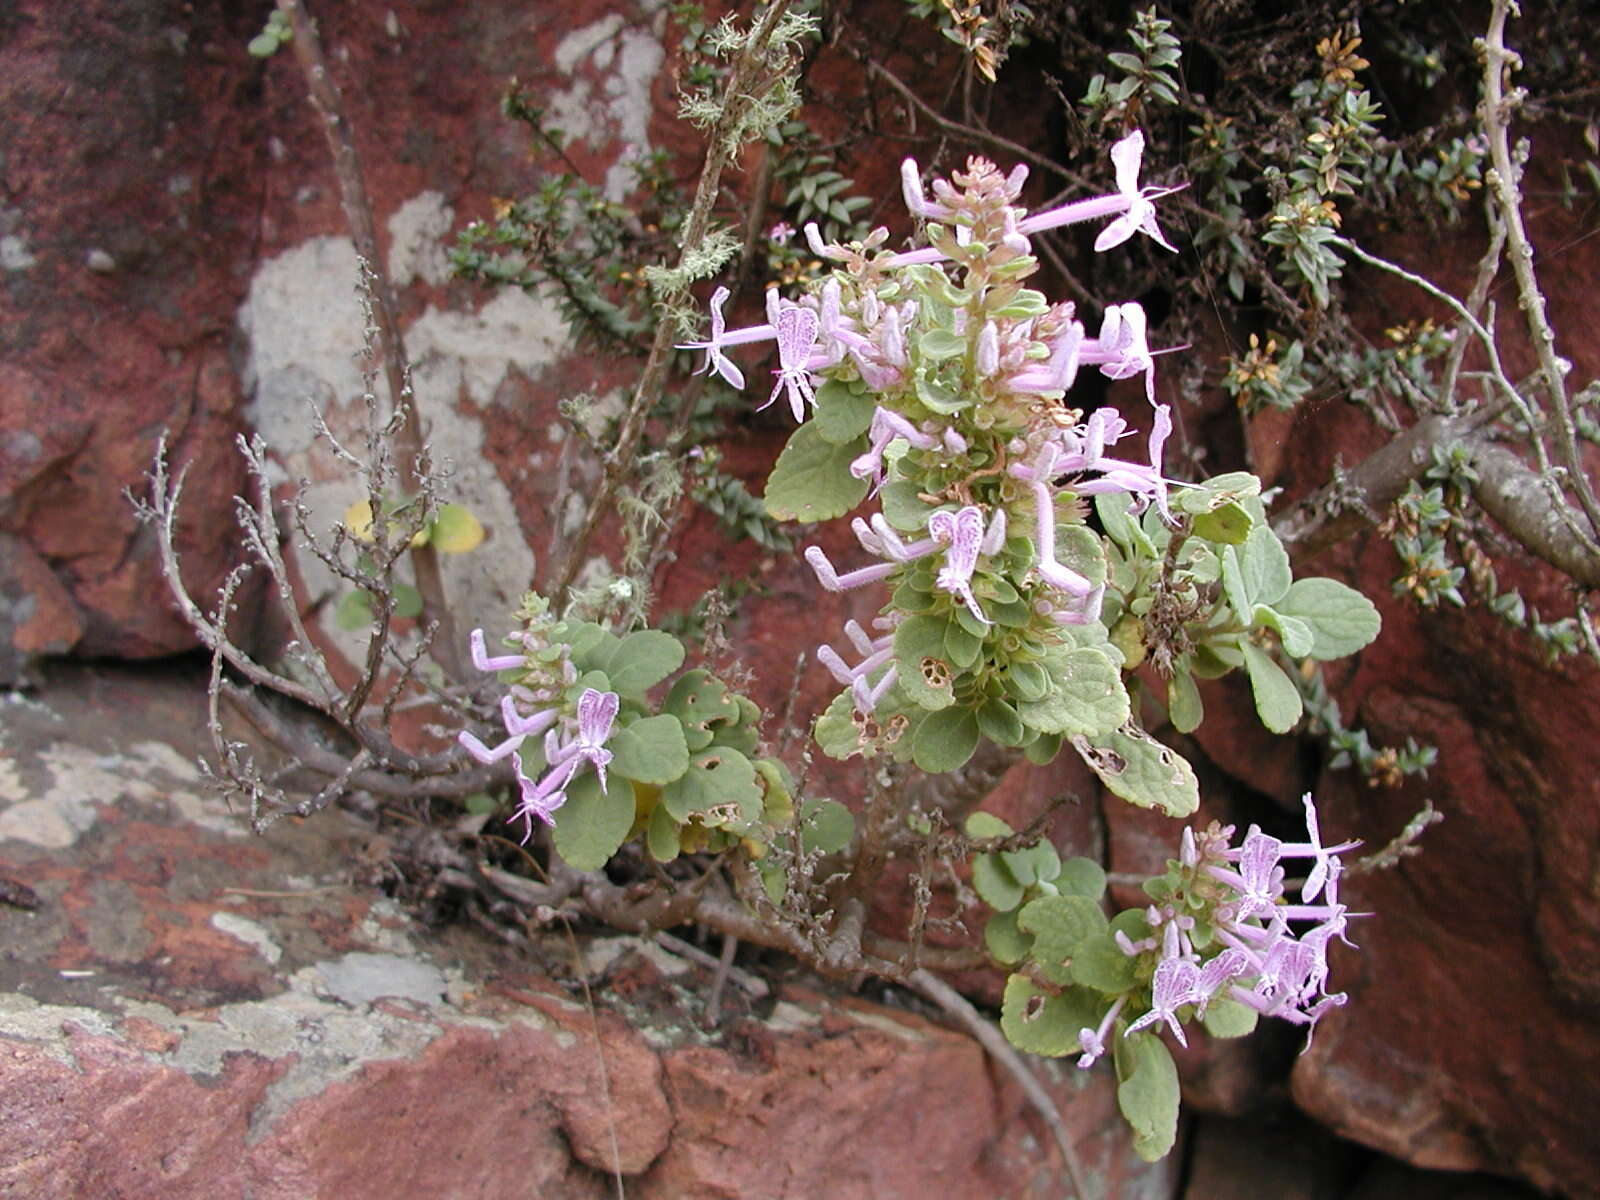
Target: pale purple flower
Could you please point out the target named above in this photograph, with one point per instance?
(720, 337)
(1038, 476)
(1140, 216)
(1093, 1041)
(797, 338)
(963, 532)
(887, 425)
(482, 660)
(1172, 988)
(1324, 866)
(1123, 350)
(781, 233)
(565, 752)
(875, 653)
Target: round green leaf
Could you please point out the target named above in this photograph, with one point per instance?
(812, 480)
(592, 825)
(1039, 1023)
(650, 750)
(945, 740)
(826, 826)
(455, 530)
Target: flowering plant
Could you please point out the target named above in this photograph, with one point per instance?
(933, 381)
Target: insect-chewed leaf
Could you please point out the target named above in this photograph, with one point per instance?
(1139, 769)
(1039, 1023)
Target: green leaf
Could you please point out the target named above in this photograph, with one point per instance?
(1228, 525)
(1120, 527)
(592, 825)
(407, 601)
(1342, 620)
(1148, 1094)
(1060, 925)
(1100, 964)
(999, 722)
(663, 835)
(826, 826)
(812, 480)
(939, 344)
(1184, 705)
(1088, 697)
(1261, 568)
(1006, 944)
(1078, 548)
(1043, 749)
(919, 650)
(651, 750)
(640, 661)
(1038, 863)
(354, 611)
(986, 825)
(1139, 769)
(842, 416)
(455, 530)
(902, 506)
(1039, 1023)
(836, 730)
(703, 704)
(1277, 699)
(1294, 633)
(945, 740)
(1082, 877)
(995, 884)
(961, 645)
(1227, 1018)
(719, 786)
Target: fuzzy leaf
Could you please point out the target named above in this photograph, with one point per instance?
(1088, 697)
(1342, 620)
(995, 884)
(1277, 699)
(1294, 633)
(826, 825)
(592, 825)
(812, 480)
(1060, 926)
(1139, 769)
(1148, 1094)
(662, 835)
(640, 661)
(1227, 1018)
(719, 785)
(1006, 944)
(651, 750)
(1261, 568)
(945, 740)
(1082, 877)
(842, 416)
(1039, 1023)
(1184, 705)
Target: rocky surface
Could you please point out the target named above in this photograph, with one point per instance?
(189, 1010)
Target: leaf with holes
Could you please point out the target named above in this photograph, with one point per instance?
(1036, 1022)
(719, 787)
(1139, 769)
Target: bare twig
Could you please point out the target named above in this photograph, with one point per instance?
(1498, 62)
(409, 438)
